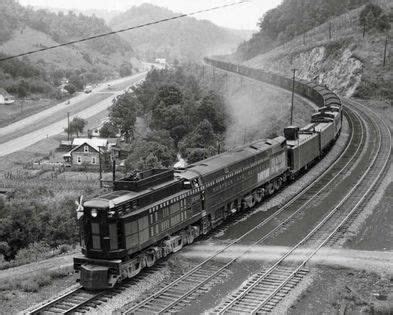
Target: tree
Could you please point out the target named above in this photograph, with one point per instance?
(76, 126)
(177, 133)
(4, 249)
(108, 130)
(212, 108)
(145, 154)
(125, 69)
(202, 136)
(169, 95)
(77, 82)
(123, 114)
(372, 17)
(196, 155)
(167, 117)
(70, 88)
(23, 88)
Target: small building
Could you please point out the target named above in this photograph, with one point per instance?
(161, 61)
(5, 97)
(86, 151)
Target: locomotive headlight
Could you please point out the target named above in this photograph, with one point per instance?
(94, 213)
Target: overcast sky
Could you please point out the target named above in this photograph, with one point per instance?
(243, 16)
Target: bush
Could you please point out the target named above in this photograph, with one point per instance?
(63, 249)
(30, 285)
(33, 252)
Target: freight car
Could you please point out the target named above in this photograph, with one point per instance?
(156, 212)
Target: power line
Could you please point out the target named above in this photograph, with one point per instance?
(124, 30)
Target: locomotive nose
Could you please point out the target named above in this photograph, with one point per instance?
(94, 277)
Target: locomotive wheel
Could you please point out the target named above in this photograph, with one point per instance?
(258, 195)
(277, 184)
(250, 201)
(190, 236)
(150, 258)
(270, 189)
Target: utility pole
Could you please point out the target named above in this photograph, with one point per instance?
(68, 126)
(114, 170)
(293, 94)
(330, 30)
(99, 160)
(384, 53)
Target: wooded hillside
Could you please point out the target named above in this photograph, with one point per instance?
(183, 39)
(291, 18)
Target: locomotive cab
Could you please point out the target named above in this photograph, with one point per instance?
(101, 231)
(101, 246)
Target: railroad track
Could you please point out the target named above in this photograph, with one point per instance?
(67, 303)
(266, 289)
(175, 296)
(179, 293)
(79, 300)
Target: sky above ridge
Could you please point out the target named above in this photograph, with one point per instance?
(243, 16)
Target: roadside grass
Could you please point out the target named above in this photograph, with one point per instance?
(36, 281)
(37, 253)
(22, 109)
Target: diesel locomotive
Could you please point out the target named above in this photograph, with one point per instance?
(156, 212)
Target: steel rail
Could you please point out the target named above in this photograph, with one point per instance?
(63, 298)
(374, 182)
(317, 228)
(289, 203)
(283, 257)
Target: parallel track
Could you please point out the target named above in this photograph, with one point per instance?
(79, 300)
(68, 302)
(176, 295)
(265, 290)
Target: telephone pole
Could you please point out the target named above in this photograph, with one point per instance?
(99, 160)
(68, 126)
(293, 94)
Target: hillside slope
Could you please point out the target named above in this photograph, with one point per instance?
(23, 29)
(182, 39)
(336, 54)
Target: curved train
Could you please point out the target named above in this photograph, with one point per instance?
(157, 212)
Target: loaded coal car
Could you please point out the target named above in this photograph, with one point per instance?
(156, 212)
(326, 133)
(303, 148)
(329, 114)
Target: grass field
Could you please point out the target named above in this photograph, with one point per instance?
(22, 109)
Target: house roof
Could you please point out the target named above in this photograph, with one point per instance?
(4, 92)
(95, 143)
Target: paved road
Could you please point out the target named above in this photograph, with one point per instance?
(36, 129)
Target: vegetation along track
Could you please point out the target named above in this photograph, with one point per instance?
(267, 288)
(176, 295)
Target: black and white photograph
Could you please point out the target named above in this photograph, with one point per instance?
(196, 157)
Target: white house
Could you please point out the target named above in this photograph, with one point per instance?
(87, 151)
(5, 98)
